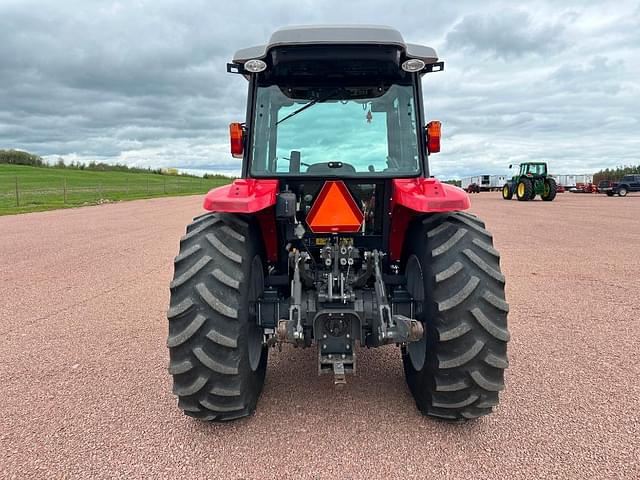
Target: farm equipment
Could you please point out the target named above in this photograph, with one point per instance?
(335, 237)
(532, 180)
(585, 188)
(473, 188)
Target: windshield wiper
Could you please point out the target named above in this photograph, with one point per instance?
(310, 104)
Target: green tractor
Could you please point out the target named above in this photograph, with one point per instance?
(532, 180)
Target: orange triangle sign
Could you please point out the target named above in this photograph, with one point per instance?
(334, 210)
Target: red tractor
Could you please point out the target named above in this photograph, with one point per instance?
(336, 237)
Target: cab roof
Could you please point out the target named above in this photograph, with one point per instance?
(337, 35)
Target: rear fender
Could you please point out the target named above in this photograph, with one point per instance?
(249, 196)
(416, 196)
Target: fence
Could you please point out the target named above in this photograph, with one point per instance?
(22, 193)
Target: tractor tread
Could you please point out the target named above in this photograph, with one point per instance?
(224, 340)
(191, 271)
(496, 361)
(472, 217)
(463, 358)
(233, 234)
(225, 392)
(451, 386)
(219, 407)
(493, 329)
(474, 225)
(189, 252)
(453, 332)
(199, 229)
(185, 334)
(462, 403)
(226, 279)
(484, 266)
(180, 309)
(486, 247)
(449, 243)
(176, 368)
(449, 272)
(496, 302)
(215, 303)
(214, 365)
(460, 296)
(485, 383)
(194, 387)
(219, 245)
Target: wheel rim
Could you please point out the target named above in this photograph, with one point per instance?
(254, 334)
(415, 286)
(505, 191)
(622, 192)
(547, 189)
(521, 189)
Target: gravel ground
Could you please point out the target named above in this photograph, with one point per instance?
(85, 391)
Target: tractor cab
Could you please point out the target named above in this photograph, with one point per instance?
(338, 102)
(336, 236)
(531, 169)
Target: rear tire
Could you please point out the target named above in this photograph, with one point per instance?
(622, 192)
(457, 370)
(550, 189)
(217, 357)
(524, 190)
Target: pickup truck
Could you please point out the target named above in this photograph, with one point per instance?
(627, 184)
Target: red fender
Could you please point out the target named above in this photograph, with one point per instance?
(249, 196)
(414, 196)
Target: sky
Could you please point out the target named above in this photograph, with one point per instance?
(145, 83)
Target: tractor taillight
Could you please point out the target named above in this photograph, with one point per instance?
(236, 133)
(334, 210)
(433, 136)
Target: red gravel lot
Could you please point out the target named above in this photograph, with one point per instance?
(85, 391)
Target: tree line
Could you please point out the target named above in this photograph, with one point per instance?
(19, 157)
(615, 173)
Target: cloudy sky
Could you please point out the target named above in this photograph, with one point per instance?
(144, 82)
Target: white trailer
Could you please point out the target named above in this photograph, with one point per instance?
(571, 180)
(498, 181)
(485, 182)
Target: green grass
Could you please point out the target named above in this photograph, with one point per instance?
(44, 188)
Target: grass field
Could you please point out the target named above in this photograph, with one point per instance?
(30, 189)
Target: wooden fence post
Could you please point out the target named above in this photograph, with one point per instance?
(64, 187)
(17, 193)
(165, 185)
